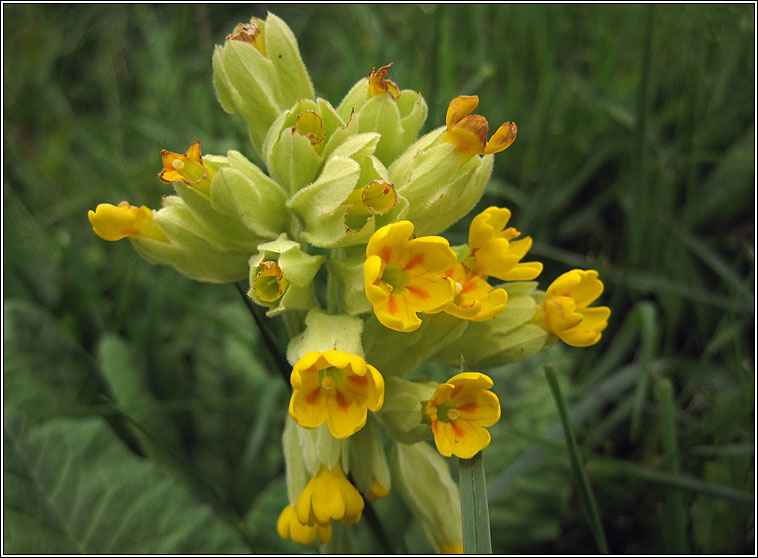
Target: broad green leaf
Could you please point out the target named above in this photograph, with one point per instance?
(73, 487)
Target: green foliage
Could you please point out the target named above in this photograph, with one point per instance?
(142, 411)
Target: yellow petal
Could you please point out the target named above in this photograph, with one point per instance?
(113, 223)
(502, 139)
(459, 108)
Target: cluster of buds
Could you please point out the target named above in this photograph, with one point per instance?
(353, 195)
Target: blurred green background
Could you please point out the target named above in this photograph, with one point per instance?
(142, 413)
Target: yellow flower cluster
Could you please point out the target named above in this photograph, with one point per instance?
(351, 196)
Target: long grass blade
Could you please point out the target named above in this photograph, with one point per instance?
(474, 507)
(585, 490)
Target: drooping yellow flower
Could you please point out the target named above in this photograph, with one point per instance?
(460, 411)
(337, 388)
(404, 276)
(493, 252)
(188, 168)
(469, 131)
(329, 496)
(289, 527)
(476, 300)
(377, 84)
(114, 222)
(566, 311)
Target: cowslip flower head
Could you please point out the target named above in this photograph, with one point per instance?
(475, 299)
(460, 411)
(337, 388)
(469, 131)
(493, 250)
(188, 168)
(114, 222)
(566, 312)
(404, 276)
(289, 527)
(329, 496)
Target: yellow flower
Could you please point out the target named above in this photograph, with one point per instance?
(111, 222)
(469, 131)
(460, 409)
(492, 250)
(475, 300)
(335, 387)
(403, 277)
(378, 491)
(566, 311)
(329, 496)
(378, 85)
(188, 168)
(289, 527)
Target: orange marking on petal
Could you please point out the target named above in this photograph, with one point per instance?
(468, 407)
(385, 252)
(312, 396)
(469, 286)
(342, 402)
(456, 391)
(392, 305)
(362, 380)
(421, 293)
(457, 430)
(434, 427)
(414, 261)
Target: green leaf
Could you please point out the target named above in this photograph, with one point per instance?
(72, 487)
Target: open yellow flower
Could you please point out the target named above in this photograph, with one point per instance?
(460, 411)
(493, 252)
(404, 276)
(114, 222)
(469, 131)
(566, 311)
(329, 496)
(188, 168)
(337, 388)
(475, 299)
(289, 527)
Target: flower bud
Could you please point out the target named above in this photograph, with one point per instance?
(350, 198)
(508, 337)
(258, 73)
(381, 107)
(403, 410)
(423, 478)
(281, 276)
(243, 192)
(368, 462)
(193, 249)
(324, 332)
(398, 353)
(439, 190)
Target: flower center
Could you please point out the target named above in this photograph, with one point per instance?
(446, 412)
(395, 278)
(270, 283)
(178, 164)
(331, 378)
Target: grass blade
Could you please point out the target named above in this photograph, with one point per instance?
(675, 517)
(585, 490)
(474, 507)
